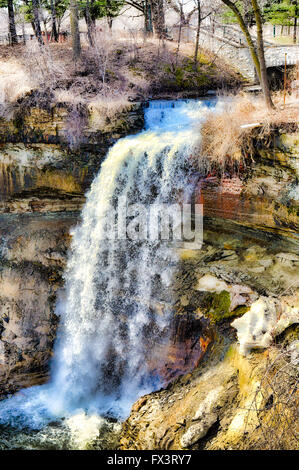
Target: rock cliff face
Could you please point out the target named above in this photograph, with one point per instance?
(42, 183)
(264, 193)
(244, 383)
(32, 260)
(228, 402)
(242, 287)
(249, 262)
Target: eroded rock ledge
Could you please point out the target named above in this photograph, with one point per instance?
(229, 404)
(247, 289)
(248, 263)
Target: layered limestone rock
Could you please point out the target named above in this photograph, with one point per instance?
(33, 256)
(178, 417)
(230, 401)
(235, 404)
(36, 121)
(264, 192)
(49, 157)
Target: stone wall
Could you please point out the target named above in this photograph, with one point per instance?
(238, 55)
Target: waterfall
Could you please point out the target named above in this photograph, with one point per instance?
(117, 301)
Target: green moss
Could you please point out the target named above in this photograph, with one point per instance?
(289, 335)
(293, 210)
(185, 76)
(218, 307)
(239, 311)
(137, 71)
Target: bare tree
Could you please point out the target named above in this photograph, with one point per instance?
(158, 16)
(148, 19)
(204, 10)
(258, 56)
(36, 21)
(54, 33)
(261, 54)
(11, 22)
(90, 23)
(179, 6)
(74, 18)
(154, 15)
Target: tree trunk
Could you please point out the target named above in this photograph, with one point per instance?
(197, 34)
(148, 24)
(33, 26)
(37, 28)
(46, 36)
(247, 35)
(54, 33)
(11, 23)
(258, 58)
(23, 32)
(89, 24)
(295, 22)
(261, 54)
(110, 21)
(157, 7)
(75, 29)
(180, 33)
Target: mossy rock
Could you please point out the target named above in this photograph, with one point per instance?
(218, 307)
(288, 336)
(239, 311)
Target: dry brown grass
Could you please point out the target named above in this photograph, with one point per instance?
(109, 76)
(125, 66)
(223, 139)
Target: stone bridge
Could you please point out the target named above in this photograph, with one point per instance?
(235, 51)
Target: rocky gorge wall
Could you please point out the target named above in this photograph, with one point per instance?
(242, 288)
(248, 264)
(43, 179)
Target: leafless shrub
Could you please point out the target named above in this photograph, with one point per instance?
(14, 84)
(221, 133)
(275, 403)
(41, 65)
(102, 51)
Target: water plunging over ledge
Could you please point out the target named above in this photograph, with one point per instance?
(109, 327)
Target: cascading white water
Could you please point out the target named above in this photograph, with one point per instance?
(109, 326)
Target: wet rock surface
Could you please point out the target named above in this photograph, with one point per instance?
(226, 393)
(244, 282)
(264, 193)
(229, 402)
(33, 256)
(250, 253)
